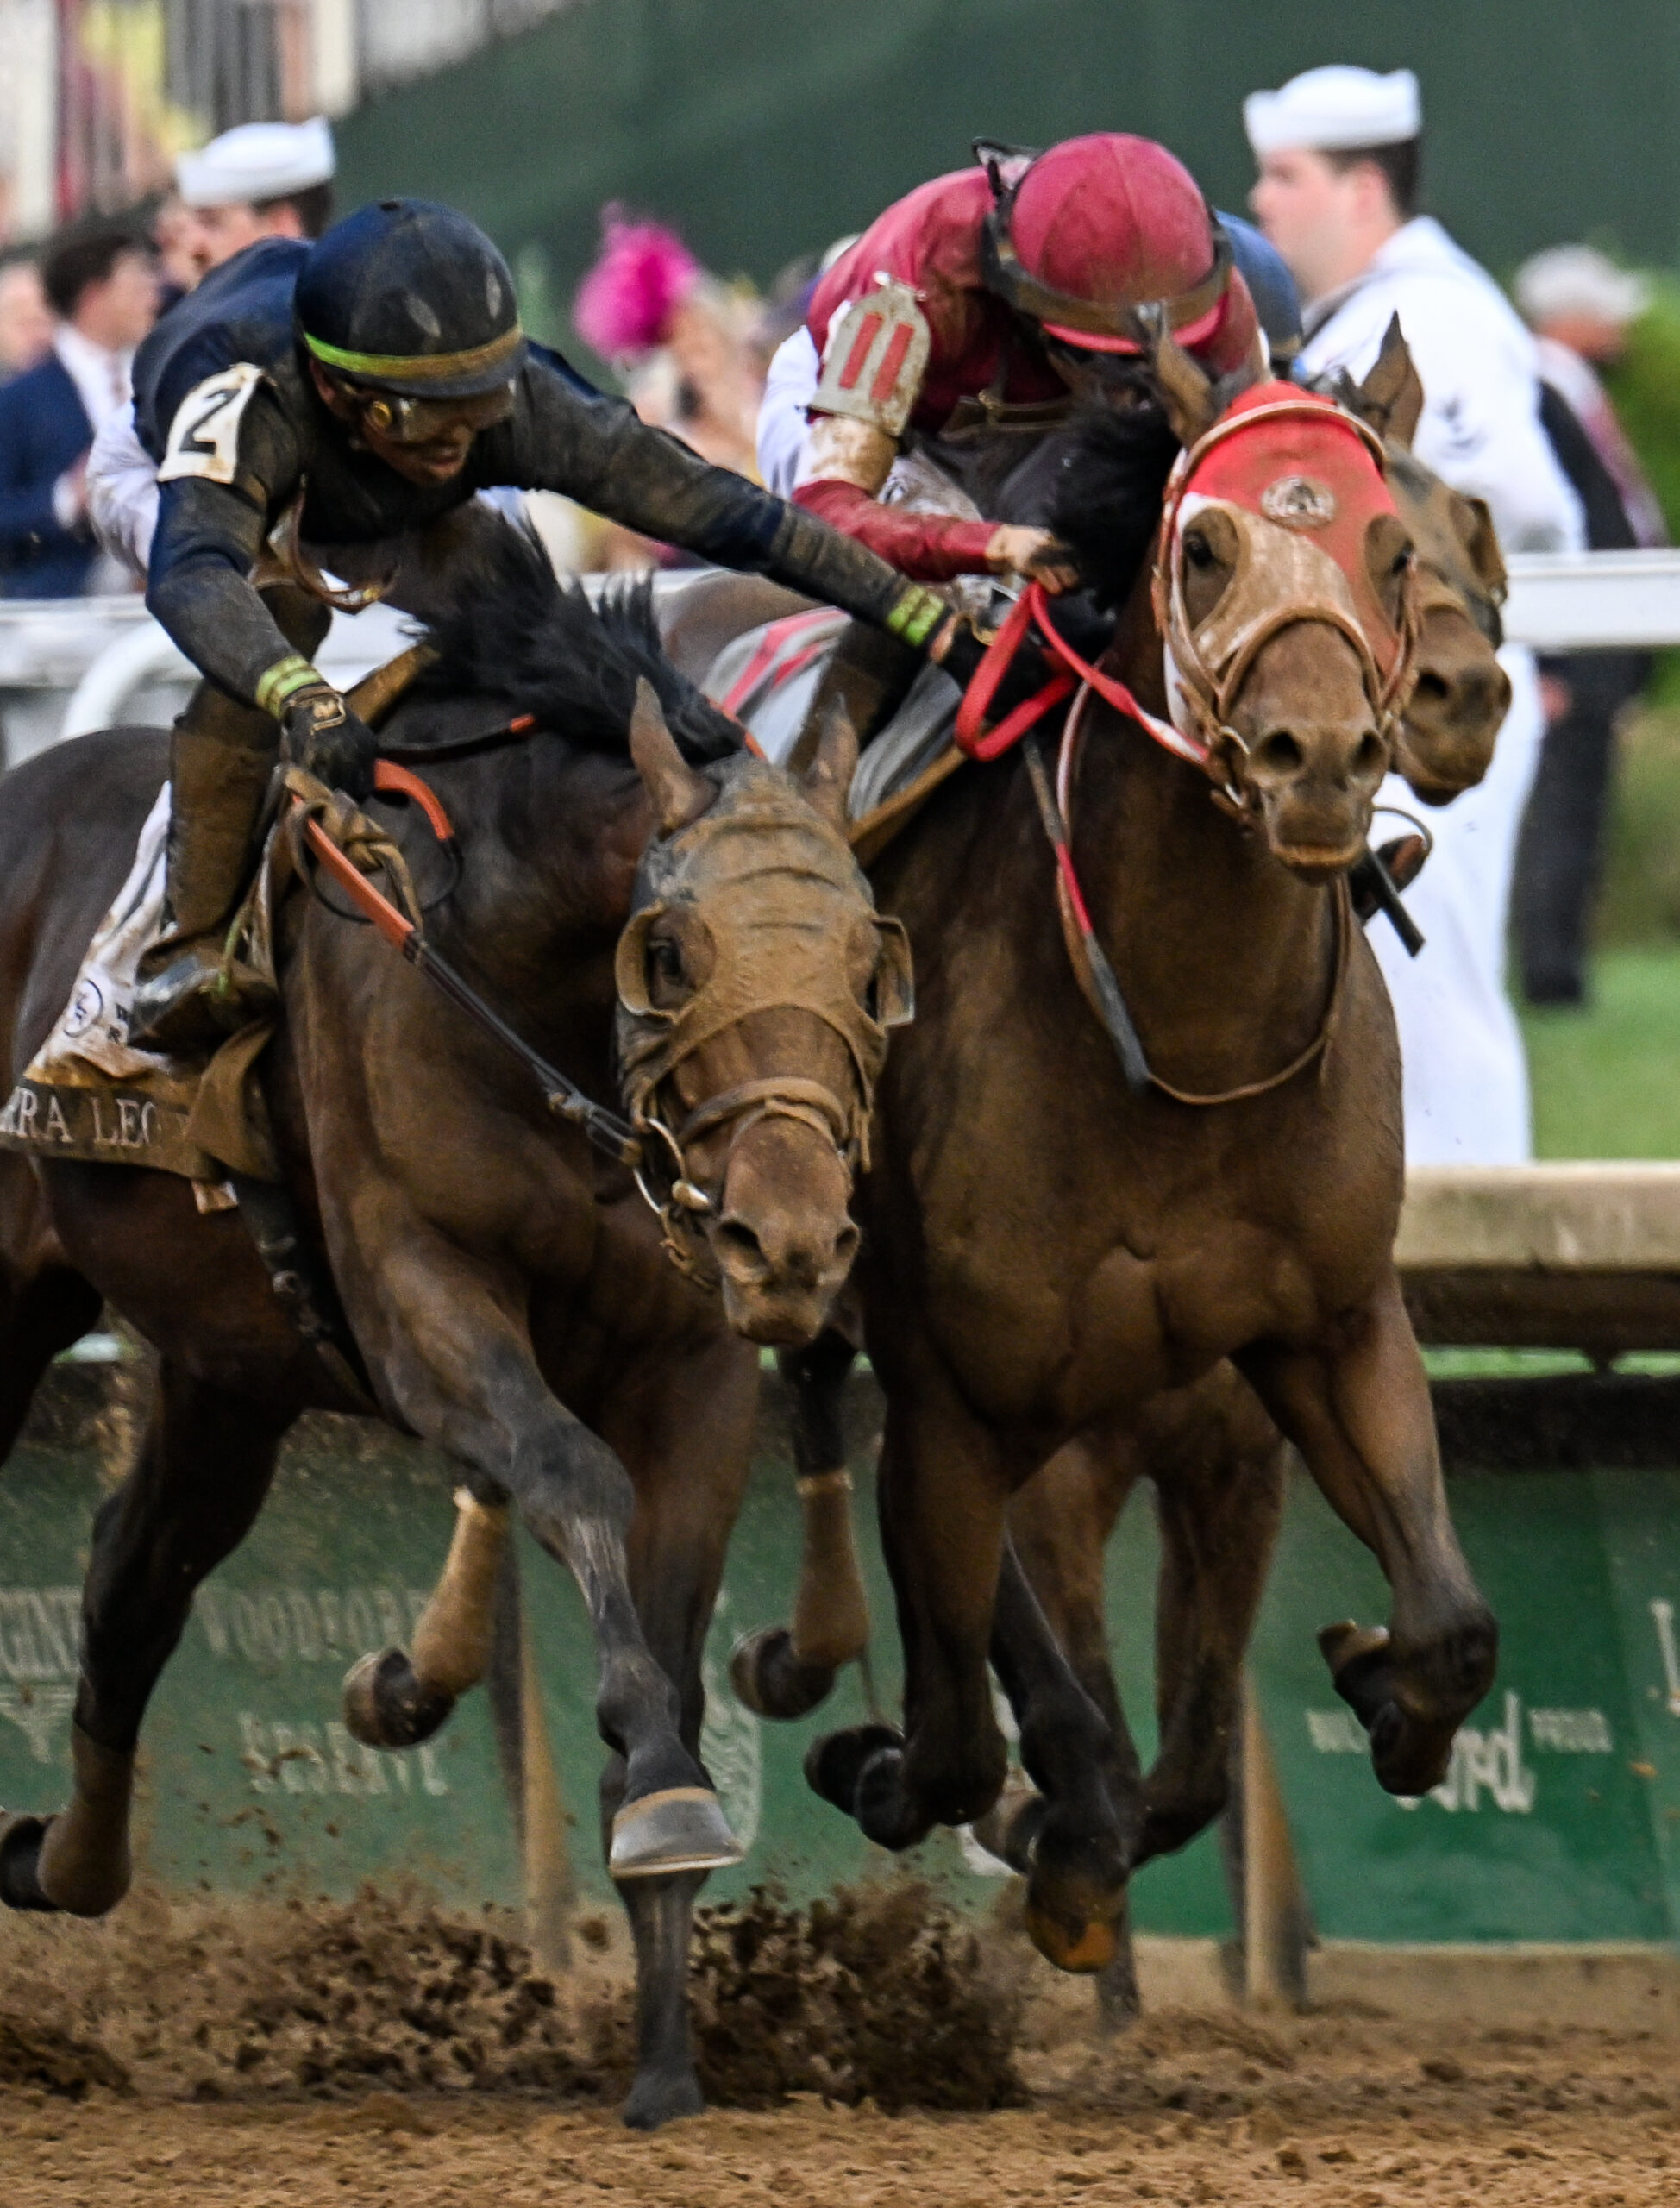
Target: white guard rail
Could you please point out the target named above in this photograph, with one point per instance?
(68, 665)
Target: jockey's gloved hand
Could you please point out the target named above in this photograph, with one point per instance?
(320, 733)
(960, 652)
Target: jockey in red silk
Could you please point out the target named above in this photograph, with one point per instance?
(991, 297)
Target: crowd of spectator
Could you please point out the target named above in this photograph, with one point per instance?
(693, 350)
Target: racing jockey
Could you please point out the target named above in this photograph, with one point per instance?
(363, 390)
(966, 322)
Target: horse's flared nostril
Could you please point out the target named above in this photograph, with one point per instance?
(1371, 757)
(740, 1248)
(1280, 752)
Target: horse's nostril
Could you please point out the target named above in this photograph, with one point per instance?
(1369, 759)
(1279, 751)
(738, 1238)
(1433, 686)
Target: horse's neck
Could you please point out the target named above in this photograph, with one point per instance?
(549, 839)
(1225, 957)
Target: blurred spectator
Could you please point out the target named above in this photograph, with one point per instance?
(262, 180)
(103, 284)
(1339, 152)
(174, 232)
(25, 320)
(1579, 305)
(684, 343)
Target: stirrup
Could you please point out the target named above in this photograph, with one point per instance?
(194, 1003)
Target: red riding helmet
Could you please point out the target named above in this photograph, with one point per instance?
(1100, 236)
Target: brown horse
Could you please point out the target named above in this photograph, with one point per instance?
(504, 1286)
(1215, 1457)
(1046, 1251)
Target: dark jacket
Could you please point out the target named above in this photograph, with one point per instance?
(224, 402)
(44, 430)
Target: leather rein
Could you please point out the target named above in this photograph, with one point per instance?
(1074, 674)
(653, 1152)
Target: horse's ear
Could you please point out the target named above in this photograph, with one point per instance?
(827, 779)
(1391, 397)
(678, 793)
(1186, 391)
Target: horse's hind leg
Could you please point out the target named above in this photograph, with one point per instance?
(204, 1468)
(45, 1306)
(1217, 1464)
(1358, 1410)
(785, 1670)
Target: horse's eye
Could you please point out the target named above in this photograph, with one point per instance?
(665, 959)
(1198, 551)
(1402, 561)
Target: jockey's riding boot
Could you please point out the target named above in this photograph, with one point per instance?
(221, 757)
(870, 674)
(185, 999)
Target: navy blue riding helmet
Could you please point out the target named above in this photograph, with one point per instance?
(1270, 285)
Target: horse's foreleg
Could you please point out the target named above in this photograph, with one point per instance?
(685, 1428)
(786, 1670)
(943, 1490)
(204, 1469)
(459, 1369)
(1358, 1410)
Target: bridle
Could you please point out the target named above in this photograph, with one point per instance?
(735, 862)
(1299, 583)
(330, 834)
(1201, 694)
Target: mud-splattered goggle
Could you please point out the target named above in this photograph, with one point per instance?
(417, 421)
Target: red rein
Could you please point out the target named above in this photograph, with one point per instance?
(1032, 607)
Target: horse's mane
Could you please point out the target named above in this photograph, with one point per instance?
(1107, 499)
(513, 634)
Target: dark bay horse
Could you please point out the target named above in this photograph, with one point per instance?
(1046, 1252)
(505, 1287)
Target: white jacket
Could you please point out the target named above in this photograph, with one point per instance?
(1480, 426)
(1466, 1076)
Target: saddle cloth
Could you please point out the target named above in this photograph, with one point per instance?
(89, 1094)
(768, 678)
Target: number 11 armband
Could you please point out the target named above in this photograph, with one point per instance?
(876, 358)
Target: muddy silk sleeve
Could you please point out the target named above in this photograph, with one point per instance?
(209, 537)
(568, 436)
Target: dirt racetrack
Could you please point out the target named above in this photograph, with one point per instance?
(386, 2053)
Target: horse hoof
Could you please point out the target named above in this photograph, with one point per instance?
(1351, 1651)
(769, 1680)
(679, 1828)
(834, 1765)
(1010, 1825)
(1082, 1948)
(386, 1705)
(21, 1836)
(655, 2100)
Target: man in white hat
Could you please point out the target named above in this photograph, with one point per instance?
(261, 180)
(1339, 153)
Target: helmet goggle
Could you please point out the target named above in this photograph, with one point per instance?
(408, 421)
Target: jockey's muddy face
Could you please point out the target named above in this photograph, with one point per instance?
(425, 440)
